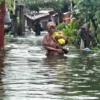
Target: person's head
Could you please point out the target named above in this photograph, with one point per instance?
(51, 26)
(85, 27)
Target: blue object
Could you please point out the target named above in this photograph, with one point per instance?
(86, 49)
(9, 28)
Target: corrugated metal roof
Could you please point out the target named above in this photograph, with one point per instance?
(37, 16)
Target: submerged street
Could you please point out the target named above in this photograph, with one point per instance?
(27, 74)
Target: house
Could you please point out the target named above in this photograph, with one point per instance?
(20, 1)
(43, 17)
(30, 20)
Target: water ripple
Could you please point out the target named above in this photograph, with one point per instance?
(27, 74)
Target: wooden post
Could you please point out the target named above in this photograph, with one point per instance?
(22, 19)
(2, 15)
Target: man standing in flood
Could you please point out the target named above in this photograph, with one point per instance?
(38, 28)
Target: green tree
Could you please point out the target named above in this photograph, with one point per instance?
(0, 1)
(90, 10)
(58, 5)
(55, 4)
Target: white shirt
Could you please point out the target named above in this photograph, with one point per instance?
(7, 18)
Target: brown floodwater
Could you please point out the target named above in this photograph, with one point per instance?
(27, 74)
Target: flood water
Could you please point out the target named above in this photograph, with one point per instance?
(27, 74)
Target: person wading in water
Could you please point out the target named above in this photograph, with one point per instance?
(86, 37)
(51, 45)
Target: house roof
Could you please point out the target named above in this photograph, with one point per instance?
(45, 11)
(37, 16)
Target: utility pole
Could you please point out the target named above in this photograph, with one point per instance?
(2, 16)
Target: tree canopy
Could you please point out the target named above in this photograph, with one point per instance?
(90, 9)
(54, 4)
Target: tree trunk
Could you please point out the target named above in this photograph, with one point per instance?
(60, 15)
(2, 15)
(94, 24)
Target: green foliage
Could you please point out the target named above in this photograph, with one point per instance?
(33, 5)
(88, 8)
(96, 48)
(70, 30)
(89, 11)
(61, 26)
(37, 4)
(97, 16)
(0, 1)
(98, 34)
(71, 26)
(10, 5)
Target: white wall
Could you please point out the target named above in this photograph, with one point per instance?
(20, 1)
(44, 22)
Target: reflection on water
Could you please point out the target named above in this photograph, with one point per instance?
(2, 94)
(27, 74)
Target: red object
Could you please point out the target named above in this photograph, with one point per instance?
(2, 15)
